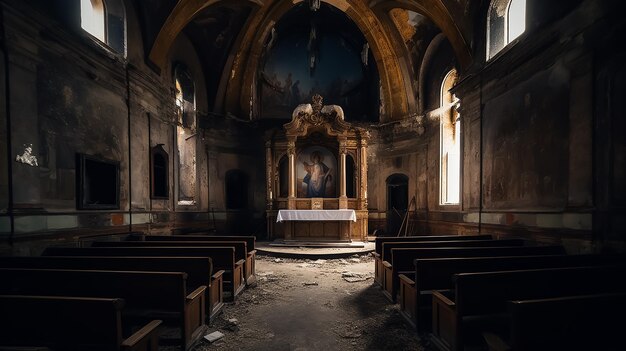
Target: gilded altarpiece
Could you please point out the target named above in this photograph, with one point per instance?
(306, 169)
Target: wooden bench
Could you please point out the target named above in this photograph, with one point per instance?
(587, 322)
(378, 248)
(390, 273)
(71, 323)
(241, 251)
(147, 295)
(478, 302)
(250, 240)
(436, 274)
(223, 258)
(199, 270)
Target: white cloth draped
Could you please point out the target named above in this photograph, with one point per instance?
(316, 215)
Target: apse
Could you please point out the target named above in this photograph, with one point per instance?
(318, 51)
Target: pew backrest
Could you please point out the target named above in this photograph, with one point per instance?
(249, 239)
(388, 247)
(240, 246)
(378, 242)
(198, 269)
(487, 292)
(436, 273)
(222, 257)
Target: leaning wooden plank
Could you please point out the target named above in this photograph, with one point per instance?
(70, 323)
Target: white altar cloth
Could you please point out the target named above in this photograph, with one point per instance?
(316, 215)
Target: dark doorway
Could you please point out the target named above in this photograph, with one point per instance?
(236, 190)
(397, 201)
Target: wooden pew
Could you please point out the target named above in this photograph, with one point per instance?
(71, 323)
(436, 274)
(478, 303)
(223, 258)
(390, 274)
(241, 250)
(587, 322)
(378, 247)
(199, 270)
(147, 295)
(250, 240)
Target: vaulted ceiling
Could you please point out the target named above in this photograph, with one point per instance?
(229, 36)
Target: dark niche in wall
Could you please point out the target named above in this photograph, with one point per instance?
(160, 188)
(97, 183)
(236, 190)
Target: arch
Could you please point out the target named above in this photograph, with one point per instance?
(437, 12)
(180, 16)
(241, 81)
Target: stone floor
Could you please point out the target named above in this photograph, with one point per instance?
(313, 304)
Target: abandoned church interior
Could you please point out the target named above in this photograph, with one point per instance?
(312, 175)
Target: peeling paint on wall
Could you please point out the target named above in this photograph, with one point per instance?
(27, 156)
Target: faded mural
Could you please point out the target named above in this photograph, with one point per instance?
(316, 173)
(306, 54)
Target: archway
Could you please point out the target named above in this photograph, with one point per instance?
(397, 201)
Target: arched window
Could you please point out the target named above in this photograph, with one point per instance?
(186, 135)
(92, 15)
(450, 150)
(506, 20)
(106, 21)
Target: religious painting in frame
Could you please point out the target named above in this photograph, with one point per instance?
(316, 172)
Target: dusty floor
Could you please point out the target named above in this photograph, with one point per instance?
(301, 304)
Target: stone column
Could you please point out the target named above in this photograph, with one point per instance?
(269, 174)
(343, 199)
(363, 176)
(291, 151)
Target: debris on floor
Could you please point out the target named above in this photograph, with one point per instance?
(216, 335)
(309, 283)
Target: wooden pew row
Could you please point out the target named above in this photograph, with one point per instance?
(436, 274)
(250, 240)
(378, 248)
(147, 295)
(223, 258)
(478, 302)
(391, 279)
(71, 323)
(199, 270)
(564, 323)
(241, 256)
(403, 259)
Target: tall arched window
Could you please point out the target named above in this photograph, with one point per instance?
(506, 20)
(106, 21)
(450, 151)
(185, 135)
(92, 18)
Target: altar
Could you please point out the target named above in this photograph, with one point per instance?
(331, 224)
(316, 172)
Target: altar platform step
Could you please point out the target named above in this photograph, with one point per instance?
(312, 249)
(316, 243)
